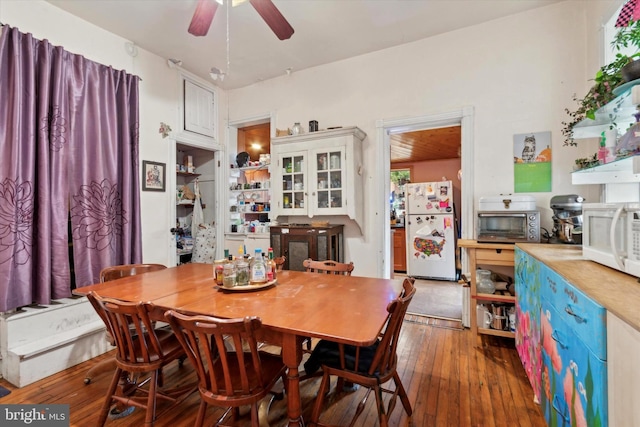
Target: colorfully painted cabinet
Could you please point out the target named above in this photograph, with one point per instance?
(573, 340)
(527, 282)
(561, 340)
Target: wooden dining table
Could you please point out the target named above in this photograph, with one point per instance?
(346, 309)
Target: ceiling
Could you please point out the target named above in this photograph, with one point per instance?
(423, 145)
(325, 30)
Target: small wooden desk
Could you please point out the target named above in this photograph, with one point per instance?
(347, 309)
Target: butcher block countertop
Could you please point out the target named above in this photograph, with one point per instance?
(617, 292)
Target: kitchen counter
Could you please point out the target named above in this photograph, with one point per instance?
(617, 292)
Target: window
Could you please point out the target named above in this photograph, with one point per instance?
(399, 177)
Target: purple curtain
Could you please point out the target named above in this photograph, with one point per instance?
(68, 162)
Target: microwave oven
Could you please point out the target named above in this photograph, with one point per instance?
(508, 226)
(611, 235)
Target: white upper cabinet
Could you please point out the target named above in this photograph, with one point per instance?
(318, 173)
(199, 104)
(198, 112)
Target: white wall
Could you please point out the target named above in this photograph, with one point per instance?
(519, 73)
(158, 100)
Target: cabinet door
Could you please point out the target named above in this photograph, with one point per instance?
(292, 184)
(297, 248)
(399, 250)
(327, 184)
(574, 379)
(586, 317)
(623, 347)
(198, 109)
(528, 284)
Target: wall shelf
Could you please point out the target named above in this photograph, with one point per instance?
(625, 170)
(619, 111)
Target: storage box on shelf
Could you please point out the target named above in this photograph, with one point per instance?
(319, 173)
(487, 255)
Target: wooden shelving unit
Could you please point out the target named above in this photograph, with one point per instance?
(487, 254)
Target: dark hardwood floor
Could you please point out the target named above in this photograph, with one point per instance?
(449, 381)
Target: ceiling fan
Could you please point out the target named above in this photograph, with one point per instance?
(206, 10)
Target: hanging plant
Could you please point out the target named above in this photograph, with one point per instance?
(607, 79)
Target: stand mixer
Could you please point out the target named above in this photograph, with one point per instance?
(567, 218)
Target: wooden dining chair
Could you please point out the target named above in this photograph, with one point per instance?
(232, 371)
(324, 267)
(279, 260)
(328, 267)
(141, 350)
(371, 367)
(113, 273)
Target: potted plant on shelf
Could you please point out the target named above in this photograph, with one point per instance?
(626, 37)
(608, 77)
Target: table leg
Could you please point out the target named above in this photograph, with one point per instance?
(292, 356)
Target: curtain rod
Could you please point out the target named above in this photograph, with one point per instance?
(2, 24)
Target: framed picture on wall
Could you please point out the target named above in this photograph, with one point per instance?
(153, 176)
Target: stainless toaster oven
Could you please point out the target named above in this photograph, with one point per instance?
(508, 226)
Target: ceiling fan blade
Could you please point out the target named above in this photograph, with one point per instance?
(274, 19)
(202, 17)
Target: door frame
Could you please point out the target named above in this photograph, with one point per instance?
(172, 180)
(229, 154)
(464, 117)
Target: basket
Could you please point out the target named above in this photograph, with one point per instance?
(319, 223)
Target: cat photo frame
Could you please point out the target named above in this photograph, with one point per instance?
(532, 162)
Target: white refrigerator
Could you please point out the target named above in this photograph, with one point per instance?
(430, 230)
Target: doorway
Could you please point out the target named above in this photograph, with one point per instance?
(427, 156)
(385, 129)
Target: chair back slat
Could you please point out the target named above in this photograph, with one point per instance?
(279, 261)
(385, 359)
(328, 267)
(224, 351)
(118, 271)
(131, 328)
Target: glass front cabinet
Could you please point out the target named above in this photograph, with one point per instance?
(312, 181)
